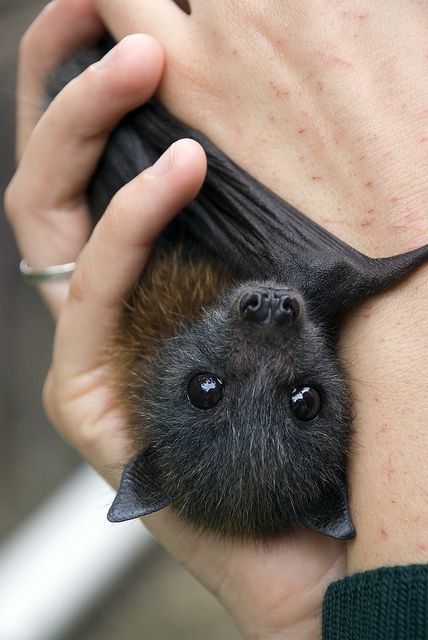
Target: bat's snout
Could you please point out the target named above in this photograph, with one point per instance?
(271, 307)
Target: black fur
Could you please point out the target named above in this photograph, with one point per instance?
(246, 467)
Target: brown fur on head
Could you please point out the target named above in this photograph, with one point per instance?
(172, 293)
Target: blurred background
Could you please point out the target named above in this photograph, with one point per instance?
(63, 572)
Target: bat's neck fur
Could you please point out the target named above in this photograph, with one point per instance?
(176, 287)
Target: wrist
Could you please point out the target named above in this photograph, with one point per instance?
(306, 630)
(288, 605)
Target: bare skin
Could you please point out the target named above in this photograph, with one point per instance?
(350, 147)
(323, 101)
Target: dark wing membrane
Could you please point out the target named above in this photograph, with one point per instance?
(234, 215)
(237, 218)
(248, 226)
(337, 281)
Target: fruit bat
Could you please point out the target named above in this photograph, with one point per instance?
(225, 357)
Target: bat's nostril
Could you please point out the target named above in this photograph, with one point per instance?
(270, 307)
(253, 302)
(254, 306)
(287, 310)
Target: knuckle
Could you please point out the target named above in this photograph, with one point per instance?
(25, 43)
(10, 201)
(78, 286)
(88, 438)
(28, 44)
(56, 403)
(112, 218)
(81, 104)
(115, 216)
(34, 40)
(48, 399)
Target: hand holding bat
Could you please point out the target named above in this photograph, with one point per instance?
(47, 193)
(84, 318)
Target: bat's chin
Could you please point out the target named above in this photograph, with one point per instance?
(257, 515)
(244, 492)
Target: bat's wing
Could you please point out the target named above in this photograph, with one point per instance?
(141, 491)
(257, 233)
(242, 222)
(263, 236)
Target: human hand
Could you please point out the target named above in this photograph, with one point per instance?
(326, 103)
(273, 590)
(58, 151)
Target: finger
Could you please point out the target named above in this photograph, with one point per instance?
(167, 21)
(84, 114)
(46, 198)
(117, 251)
(67, 142)
(61, 28)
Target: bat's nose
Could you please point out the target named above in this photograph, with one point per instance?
(270, 307)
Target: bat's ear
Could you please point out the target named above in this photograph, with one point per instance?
(331, 517)
(141, 489)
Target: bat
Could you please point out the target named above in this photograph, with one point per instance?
(226, 354)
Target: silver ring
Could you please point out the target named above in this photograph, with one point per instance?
(55, 272)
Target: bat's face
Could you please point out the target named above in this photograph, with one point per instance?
(248, 413)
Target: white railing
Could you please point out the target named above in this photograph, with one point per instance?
(64, 559)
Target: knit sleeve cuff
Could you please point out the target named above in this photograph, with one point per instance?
(390, 603)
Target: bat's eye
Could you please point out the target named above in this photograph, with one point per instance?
(205, 390)
(305, 403)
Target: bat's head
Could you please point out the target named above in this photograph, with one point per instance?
(246, 420)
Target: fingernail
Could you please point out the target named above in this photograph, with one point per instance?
(108, 59)
(163, 164)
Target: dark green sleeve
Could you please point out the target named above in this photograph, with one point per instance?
(390, 603)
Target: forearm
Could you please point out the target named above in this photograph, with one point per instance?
(386, 340)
